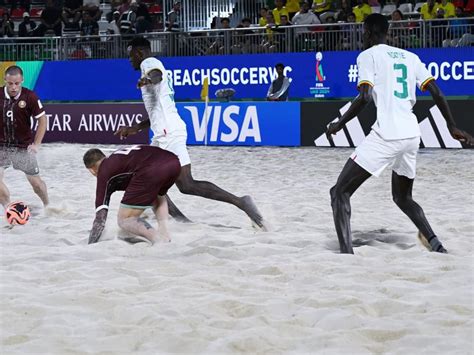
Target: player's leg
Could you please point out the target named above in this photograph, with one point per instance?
(187, 185)
(25, 161)
(4, 193)
(128, 219)
(351, 177)
(5, 162)
(160, 208)
(175, 212)
(39, 187)
(403, 176)
(402, 188)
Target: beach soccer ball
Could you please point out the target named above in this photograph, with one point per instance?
(17, 213)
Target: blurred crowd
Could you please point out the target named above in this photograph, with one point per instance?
(311, 21)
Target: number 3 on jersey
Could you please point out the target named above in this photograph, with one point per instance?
(402, 79)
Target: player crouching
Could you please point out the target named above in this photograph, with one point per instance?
(145, 173)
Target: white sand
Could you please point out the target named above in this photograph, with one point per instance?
(233, 290)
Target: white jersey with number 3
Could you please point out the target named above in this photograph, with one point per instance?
(394, 74)
(159, 101)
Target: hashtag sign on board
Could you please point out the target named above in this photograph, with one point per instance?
(352, 74)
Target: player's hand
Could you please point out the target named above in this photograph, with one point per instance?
(333, 128)
(461, 136)
(33, 148)
(124, 132)
(143, 81)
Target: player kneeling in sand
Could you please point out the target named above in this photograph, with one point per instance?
(145, 174)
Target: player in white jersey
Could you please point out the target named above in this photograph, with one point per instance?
(170, 130)
(389, 76)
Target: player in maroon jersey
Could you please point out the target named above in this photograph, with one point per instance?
(145, 173)
(18, 144)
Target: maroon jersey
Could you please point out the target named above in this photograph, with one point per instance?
(144, 172)
(15, 113)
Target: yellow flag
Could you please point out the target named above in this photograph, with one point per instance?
(205, 89)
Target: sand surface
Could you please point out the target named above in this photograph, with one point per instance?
(221, 286)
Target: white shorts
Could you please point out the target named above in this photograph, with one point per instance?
(174, 143)
(374, 154)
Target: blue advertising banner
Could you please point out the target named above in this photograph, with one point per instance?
(320, 75)
(243, 123)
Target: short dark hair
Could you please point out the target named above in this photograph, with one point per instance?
(224, 19)
(280, 65)
(139, 42)
(246, 19)
(14, 70)
(399, 12)
(92, 156)
(377, 24)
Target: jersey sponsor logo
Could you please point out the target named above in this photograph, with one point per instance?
(22, 104)
(224, 123)
(434, 132)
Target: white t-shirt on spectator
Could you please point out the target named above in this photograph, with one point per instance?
(159, 101)
(394, 74)
(308, 18)
(113, 28)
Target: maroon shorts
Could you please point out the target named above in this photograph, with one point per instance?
(148, 184)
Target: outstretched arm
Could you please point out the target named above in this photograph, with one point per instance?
(124, 132)
(98, 226)
(442, 103)
(359, 103)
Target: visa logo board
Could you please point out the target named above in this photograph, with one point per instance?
(242, 123)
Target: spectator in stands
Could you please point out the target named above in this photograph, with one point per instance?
(293, 6)
(6, 26)
(143, 22)
(26, 27)
(262, 21)
(243, 40)
(124, 7)
(279, 10)
(362, 10)
(92, 6)
(346, 9)
(282, 29)
(350, 36)
(50, 21)
(397, 34)
(173, 18)
(127, 20)
(24, 4)
(305, 17)
(89, 27)
(217, 47)
(457, 28)
(438, 29)
(280, 87)
(448, 7)
(268, 43)
(321, 6)
(428, 10)
(114, 25)
(72, 13)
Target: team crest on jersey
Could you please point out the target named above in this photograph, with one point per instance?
(22, 104)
